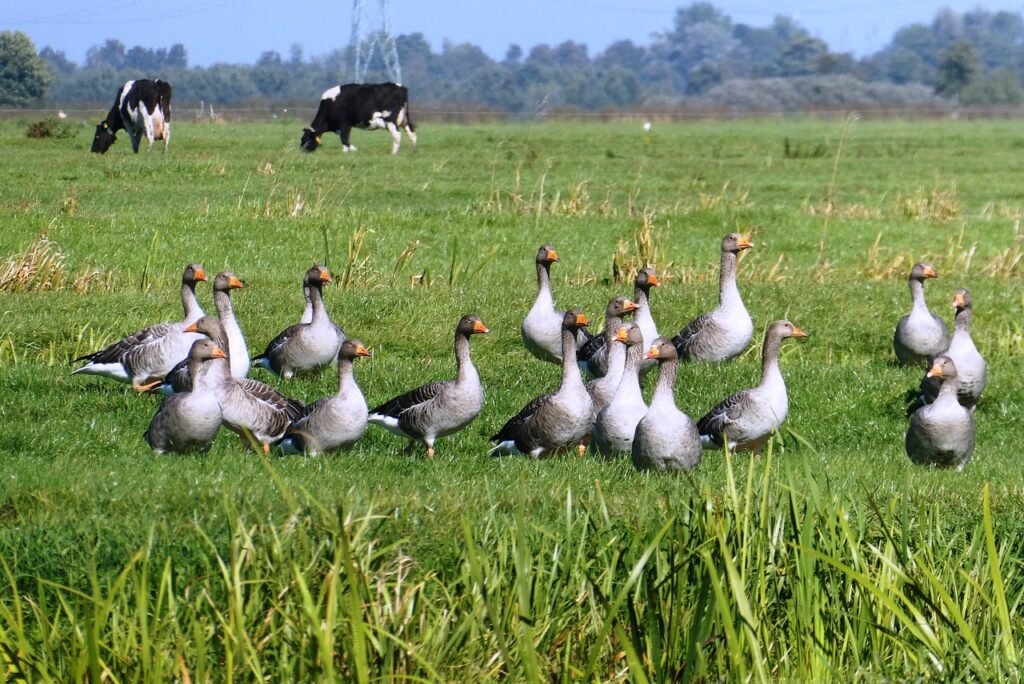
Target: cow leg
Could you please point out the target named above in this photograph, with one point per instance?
(167, 135)
(405, 122)
(411, 133)
(346, 133)
(136, 136)
(396, 137)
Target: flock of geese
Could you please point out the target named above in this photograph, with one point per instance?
(202, 363)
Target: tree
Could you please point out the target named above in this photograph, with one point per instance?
(958, 66)
(23, 74)
(111, 54)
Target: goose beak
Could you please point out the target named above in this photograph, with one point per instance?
(958, 301)
(218, 353)
(479, 327)
(581, 320)
(630, 305)
(797, 332)
(193, 327)
(930, 273)
(745, 243)
(652, 353)
(234, 283)
(201, 274)
(325, 275)
(935, 371)
(552, 255)
(621, 334)
(362, 351)
(653, 281)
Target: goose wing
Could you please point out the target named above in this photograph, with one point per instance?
(714, 422)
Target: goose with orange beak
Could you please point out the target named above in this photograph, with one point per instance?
(441, 408)
(745, 420)
(305, 346)
(665, 438)
(725, 332)
(941, 434)
(190, 420)
(920, 335)
(555, 421)
(971, 367)
(152, 352)
(542, 327)
(333, 423)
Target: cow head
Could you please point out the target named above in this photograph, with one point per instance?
(104, 138)
(310, 140)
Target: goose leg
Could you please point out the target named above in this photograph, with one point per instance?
(146, 387)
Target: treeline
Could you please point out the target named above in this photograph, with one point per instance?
(704, 59)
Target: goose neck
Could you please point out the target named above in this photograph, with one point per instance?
(571, 377)
(467, 372)
(770, 360)
(222, 301)
(316, 298)
(665, 389)
(346, 374)
(544, 281)
(193, 312)
(728, 292)
(917, 296)
(963, 319)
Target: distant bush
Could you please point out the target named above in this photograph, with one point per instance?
(816, 92)
(52, 127)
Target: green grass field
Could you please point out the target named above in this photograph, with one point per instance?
(829, 558)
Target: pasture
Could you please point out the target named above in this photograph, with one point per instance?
(830, 557)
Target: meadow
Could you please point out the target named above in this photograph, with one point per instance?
(829, 558)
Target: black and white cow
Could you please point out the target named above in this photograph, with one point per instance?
(361, 105)
(141, 107)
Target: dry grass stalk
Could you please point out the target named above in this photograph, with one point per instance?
(1005, 264)
(39, 268)
(934, 205)
(645, 251)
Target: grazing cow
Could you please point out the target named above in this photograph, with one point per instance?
(141, 107)
(361, 105)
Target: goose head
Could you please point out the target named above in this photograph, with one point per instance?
(193, 274)
(547, 255)
(629, 334)
(470, 324)
(663, 350)
(646, 278)
(735, 243)
(922, 270)
(961, 300)
(943, 368)
(574, 319)
(620, 306)
(351, 348)
(226, 280)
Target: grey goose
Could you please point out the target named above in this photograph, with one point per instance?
(747, 418)
(254, 410)
(592, 357)
(971, 368)
(665, 438)
(542, 327)
(942, 433)
(646, 278)
(616, 423)
(554, 421)
(152, 352)
(725, 332)
(920, 335)
(177, 379)
(189, 420)
(441, 408)
(305, 346)
(335, 422)
(602, 389)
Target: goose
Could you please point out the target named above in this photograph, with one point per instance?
(542, 327)
(305, 346)
(189, 420)
(725, 332)
(602, 389)
(151, 352)
(248, 406)
(334, 422)
(177, 379)
(441, 408)
(748, 418)
(616, 423)
(557, 420)
(666, 438)
(592, 357)
(920, 335)
(971, 369)
(646, 278)
(307, 311)
(942, 433)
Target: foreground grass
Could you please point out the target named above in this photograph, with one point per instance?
(834, 559)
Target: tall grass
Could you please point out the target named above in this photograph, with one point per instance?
(760, 581)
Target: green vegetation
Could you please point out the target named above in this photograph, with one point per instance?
(829, 558)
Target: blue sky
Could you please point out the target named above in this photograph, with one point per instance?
(237, 31)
